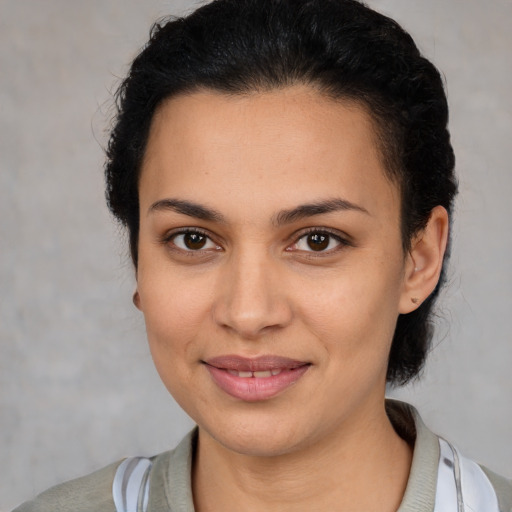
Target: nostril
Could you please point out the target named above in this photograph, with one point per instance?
(251, 323)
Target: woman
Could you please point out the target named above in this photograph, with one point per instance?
(285, 173)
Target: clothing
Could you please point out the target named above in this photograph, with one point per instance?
(170, 477)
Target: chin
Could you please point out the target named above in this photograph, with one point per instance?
(258, 435)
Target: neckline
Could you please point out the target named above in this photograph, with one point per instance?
(419, 494)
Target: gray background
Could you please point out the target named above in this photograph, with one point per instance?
(77, 386)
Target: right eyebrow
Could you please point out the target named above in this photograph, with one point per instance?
(188, 208)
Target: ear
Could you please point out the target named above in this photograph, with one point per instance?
(136, 299)
(425, 260)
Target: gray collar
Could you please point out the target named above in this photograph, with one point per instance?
(419, 495)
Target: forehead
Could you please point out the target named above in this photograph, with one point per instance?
(290, 145)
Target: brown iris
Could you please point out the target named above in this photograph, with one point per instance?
(194, 241)
(318, 241)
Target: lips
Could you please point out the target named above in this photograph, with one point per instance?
(255, 379)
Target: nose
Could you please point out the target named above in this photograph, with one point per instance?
(251, 299)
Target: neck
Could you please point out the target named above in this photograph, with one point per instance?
(365, 464)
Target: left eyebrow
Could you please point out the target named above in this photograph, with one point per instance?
(318, 208)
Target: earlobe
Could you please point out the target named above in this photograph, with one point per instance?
(425, 261)
(136, 299)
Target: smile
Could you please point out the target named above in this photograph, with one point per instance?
(257, 375)
(257, 379)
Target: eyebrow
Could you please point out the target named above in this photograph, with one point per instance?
(303, 211)
(187, 208)
(317, 208)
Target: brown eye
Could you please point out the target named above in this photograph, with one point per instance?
(318, 241)
(193, 241)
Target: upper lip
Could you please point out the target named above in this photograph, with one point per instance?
(255, 364)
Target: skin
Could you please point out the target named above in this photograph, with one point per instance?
(257, 288)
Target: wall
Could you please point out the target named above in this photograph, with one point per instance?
(77, 386)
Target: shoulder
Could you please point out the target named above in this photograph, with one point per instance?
(502, 487)
(442, 478)
(155, 482)
(90, 493)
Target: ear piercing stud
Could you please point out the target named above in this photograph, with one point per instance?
(415, 300)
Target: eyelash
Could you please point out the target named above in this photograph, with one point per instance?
(342, 242)
(169, 238)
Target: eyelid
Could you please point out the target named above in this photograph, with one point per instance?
(342, 238)
(168, 237)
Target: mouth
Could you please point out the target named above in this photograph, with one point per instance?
(255, 379)
(257, 375)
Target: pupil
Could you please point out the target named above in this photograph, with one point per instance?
(318, 241)
(194, 240)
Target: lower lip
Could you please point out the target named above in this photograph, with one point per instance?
(255, 389)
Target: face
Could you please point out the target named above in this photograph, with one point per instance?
(271, 267)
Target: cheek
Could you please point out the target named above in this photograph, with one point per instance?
(354, 312)
(175, 311)
(175, 317)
